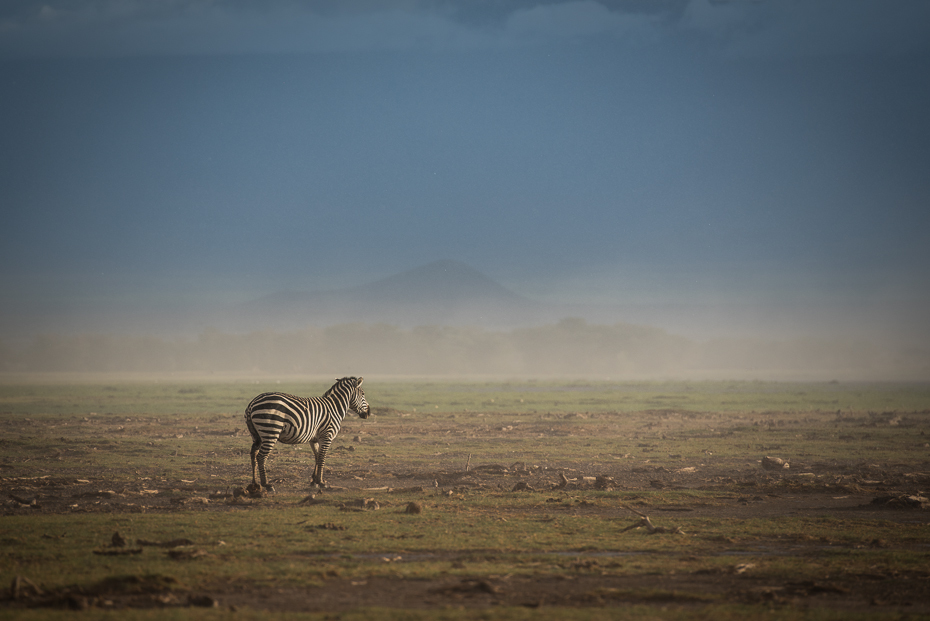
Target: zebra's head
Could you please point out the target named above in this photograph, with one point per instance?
(357, 401)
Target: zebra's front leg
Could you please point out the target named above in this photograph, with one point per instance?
(319, 452)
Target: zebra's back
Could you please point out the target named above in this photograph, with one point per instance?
(294, 420)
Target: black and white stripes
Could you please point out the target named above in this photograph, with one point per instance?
(276, 416)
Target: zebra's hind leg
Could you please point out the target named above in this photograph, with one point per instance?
(259, 454)
(252, 459)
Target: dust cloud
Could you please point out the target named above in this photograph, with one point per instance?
(448, 319)
(570, 347)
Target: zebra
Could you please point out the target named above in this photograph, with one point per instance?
(277, 416)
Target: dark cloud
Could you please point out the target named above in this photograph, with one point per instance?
(737, 27)
(765, 28)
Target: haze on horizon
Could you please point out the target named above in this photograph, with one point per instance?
(744, 168)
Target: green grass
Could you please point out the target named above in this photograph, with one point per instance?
(280, 543)
(528, 397)
(551, 396)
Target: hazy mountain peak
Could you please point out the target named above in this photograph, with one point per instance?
(443, 292)
(440, 281)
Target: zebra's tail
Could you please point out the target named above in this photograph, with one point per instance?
(256, 437)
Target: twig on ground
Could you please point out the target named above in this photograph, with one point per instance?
(650, 527)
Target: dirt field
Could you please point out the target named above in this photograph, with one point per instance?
(587, 581)
(382, 469)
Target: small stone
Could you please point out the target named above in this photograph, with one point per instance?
(774, 463)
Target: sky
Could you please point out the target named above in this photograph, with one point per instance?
(766, 162)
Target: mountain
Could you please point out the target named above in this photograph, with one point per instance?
(440, 293)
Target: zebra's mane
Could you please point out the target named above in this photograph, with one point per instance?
(333, 387)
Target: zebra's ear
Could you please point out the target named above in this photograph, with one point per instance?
(360, 381)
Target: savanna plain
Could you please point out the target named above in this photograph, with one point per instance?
(469, 500)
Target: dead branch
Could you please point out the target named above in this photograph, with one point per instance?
(23, 586)
(652, 529)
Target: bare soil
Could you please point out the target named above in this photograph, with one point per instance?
(758, 496)
(874, 491)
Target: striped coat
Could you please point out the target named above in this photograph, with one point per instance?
(278, 417)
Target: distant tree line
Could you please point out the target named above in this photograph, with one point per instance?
(571, 347)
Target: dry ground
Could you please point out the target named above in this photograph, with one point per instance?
(886, 490)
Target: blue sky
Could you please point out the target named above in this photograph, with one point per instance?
(743, 154)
